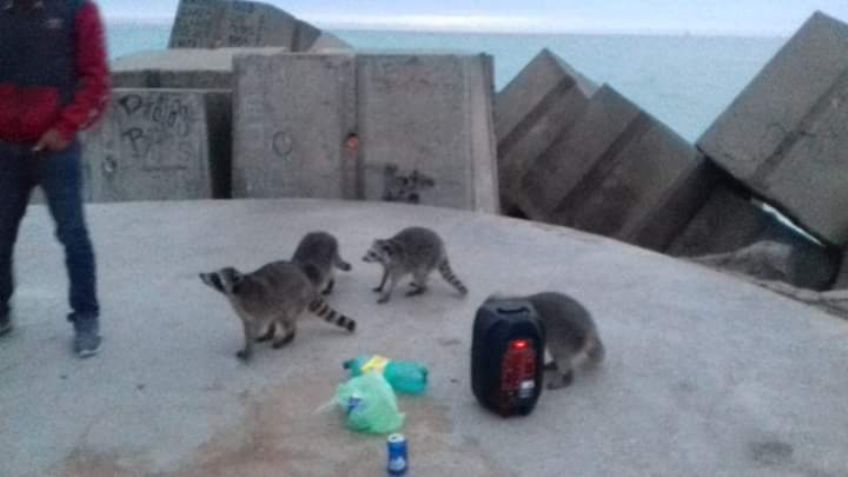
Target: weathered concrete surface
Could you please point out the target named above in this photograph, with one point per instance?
(427, 137)
(786, 135)
(706, 375)
(410, 128)
(834, 302)
(531, 112)
(841, 282)
(160, 144)
(329, 43)
(617, 172)
(292, 116)
(727, 221)
(226, 23)
(195, 68)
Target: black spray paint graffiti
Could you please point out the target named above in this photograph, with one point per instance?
(404, 188)
(282, 145)
(154, 121)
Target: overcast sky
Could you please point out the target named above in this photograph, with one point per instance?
(661, 16)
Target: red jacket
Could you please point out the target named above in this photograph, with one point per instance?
(53, 68)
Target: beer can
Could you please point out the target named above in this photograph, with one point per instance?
(398, 457)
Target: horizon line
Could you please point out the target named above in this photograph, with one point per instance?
(483, 27)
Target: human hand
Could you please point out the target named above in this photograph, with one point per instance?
(51, 141)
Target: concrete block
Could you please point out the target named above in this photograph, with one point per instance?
(417, 129)
(329, 43)
(292, 117)
(842, 278)
(727, 221)
(617, 172)
(562, 167)
(786, 135)
(197, 24)
(734, 231)
(226, 23)
(427, 116)
(194, 68)
(160, 145)
(545, 99)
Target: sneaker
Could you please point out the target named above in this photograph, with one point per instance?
(5, 324)
(86, 340)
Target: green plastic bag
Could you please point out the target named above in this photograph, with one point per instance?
(369, 404)
(405, 377)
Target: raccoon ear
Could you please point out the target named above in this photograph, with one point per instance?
(212, 280)
(237, 279)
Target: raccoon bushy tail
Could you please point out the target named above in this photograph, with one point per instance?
(447, 273)
(320, 308)
(595, 350)
(341, 264)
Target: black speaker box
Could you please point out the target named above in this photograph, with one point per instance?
(507, 357)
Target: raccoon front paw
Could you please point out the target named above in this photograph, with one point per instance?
(561, 381)
(280, 343)
(267, 336)
(244, 356)
(377, 290)
(383, 299)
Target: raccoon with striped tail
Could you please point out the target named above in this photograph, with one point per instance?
(416, 251)
(271, 299)
(317, 254)
(570, 334)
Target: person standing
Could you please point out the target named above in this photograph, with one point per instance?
(54, 82)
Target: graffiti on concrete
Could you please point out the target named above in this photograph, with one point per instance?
(158, 130)
(282, 145)
(195, 22)
(214, 24)
(404, 188)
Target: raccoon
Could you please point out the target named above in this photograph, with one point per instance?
(318, 255)
(415, 250)
(570, 334)
(271, 299)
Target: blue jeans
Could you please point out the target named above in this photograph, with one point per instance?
(60, 177)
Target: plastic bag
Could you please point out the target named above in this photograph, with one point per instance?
(369, 404)
(406, 377)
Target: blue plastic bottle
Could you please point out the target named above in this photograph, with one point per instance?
(404, 376)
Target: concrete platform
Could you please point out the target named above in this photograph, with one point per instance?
(706, 375)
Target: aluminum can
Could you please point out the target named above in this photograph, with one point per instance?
(398, 455)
